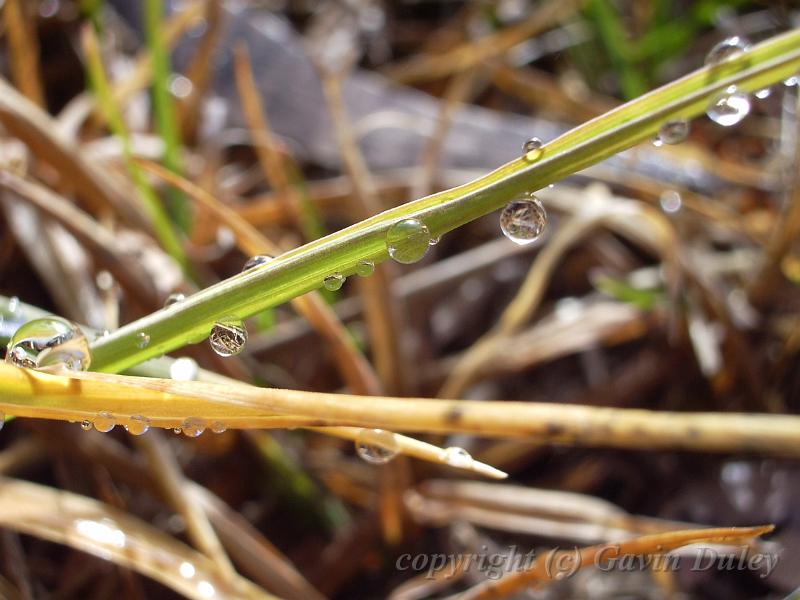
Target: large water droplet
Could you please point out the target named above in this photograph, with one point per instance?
(376, 446)
(49, 342)
(407, 240)
(142, 340)
(333, 282)
(228, 337)
(184, 369)
(672, 132)
(138, 425)
(457, 457)
(365, 268)
(729, 109)
(523, 221)
(104, 422)
(532, 149)
(174, 299)
(193, 427)
(256, 261)
(726, 50)
(218, 427)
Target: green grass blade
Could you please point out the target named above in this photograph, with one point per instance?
(163, 105)
(303, 269)
(96, 72)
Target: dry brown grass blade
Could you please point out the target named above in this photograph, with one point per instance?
(541, 90)
(642, 224)
(384, 321)
(256, 555)
(470, 54)
(354, 368)
(263, 140)
(173, 485)
(200, 70)
(96, 238)
(544, 513)
(26, 121)
(23, 45)
(458, 92)
(167, 403)
(542, 572)
(111, 534)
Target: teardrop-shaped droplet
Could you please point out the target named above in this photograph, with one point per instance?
(228, 337)
(762, 94)
(193, 427)
(727, 49)
(184, 369)
(142, 340)
(365, 268)
(218, 427)
(138, 425)
(376, 446)
(256, 261)
(174, 299)
(457, 457)
(50, 342)
(104, 422)
(86, 424)
(333, 282)
(523, 221)
(532, 149)
(407, 240)
(672, 132)
(729, 109)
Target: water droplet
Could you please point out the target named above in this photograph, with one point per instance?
(49, 342)
(433, 241)
(376, 446)
(193, 427)
(218, 427)
(532, 149)
(726, 50)
(523, 221)
(333, 282)
(729, 109)
(672, 132)
(13, 304)
(256, 261)
(762, 94)
(228, 337)
(457, 457)
(138, 425)
(177, 430)
(670, 201)
(793, 80)
(184, 369)
(174, 299)
(365, 268)
(142, 340)
(104, 422)
(86, 425)
(104, 281)
(407, 240)
(180, 86)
